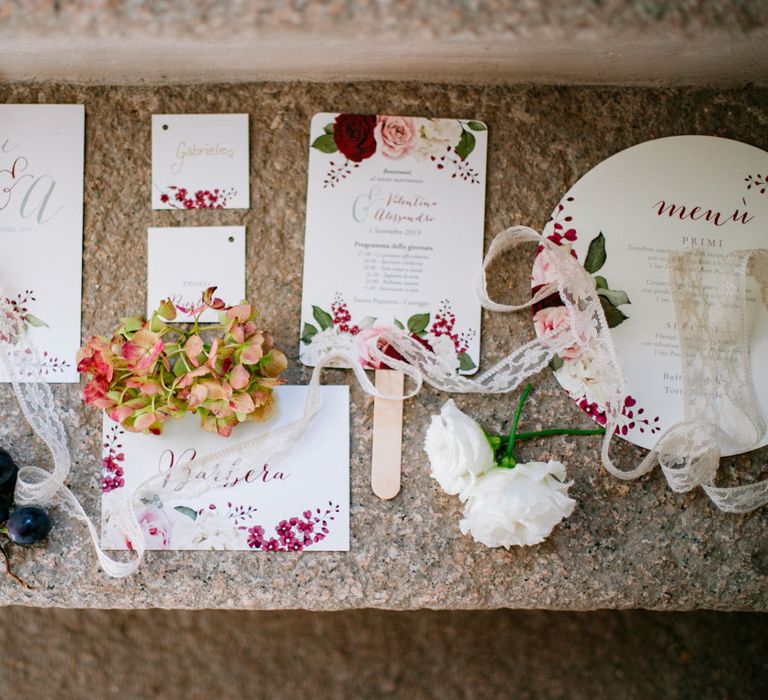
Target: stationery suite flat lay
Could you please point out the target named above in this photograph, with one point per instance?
(649, 302)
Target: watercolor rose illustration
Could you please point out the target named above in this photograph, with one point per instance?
(577, 372)
(397, 136)
(156, 527)
(436, 332)
(353, 135)
(446, 143)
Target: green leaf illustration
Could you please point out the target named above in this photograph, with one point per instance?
(615, 296)
(400, 325)
(307, 333)
(186, 510)
(613, 315)
(466, 145)
(556, 363)
(329, 129)
(325, 144)
(323, 318)
(418, 324)
(596, 254)
(601, 282)
(35, 321)
(465, 362)
(477, 126)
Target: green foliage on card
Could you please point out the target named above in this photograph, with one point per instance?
(466, 145)
(596, 254)
(465, 362)
(615, 296)
(556, 363)
(323, 318)
(186, 510)
(325, 144)
(329, 129)
(477, 126)
(418, 324)
(601, 282)
(613, 315)
(400, 325)
(35, 321)
(308, 332)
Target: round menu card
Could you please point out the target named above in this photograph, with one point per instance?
(620, 220)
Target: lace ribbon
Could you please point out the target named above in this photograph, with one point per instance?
(716, 371)
(48, 488)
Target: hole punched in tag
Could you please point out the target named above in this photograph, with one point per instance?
(386, 454)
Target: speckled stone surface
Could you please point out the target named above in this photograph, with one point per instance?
(203, 19)
(633, 544)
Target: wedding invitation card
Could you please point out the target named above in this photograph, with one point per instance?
(295, 503)
(41, 228)
(183, 261)
(621, 219)
(394, 233)
(200, 161)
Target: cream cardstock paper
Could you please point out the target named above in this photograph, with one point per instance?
(41, 226)
(309, 483)
(182, 261)
(200, 161)
(395, 238)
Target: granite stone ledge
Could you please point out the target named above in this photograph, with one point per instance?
(627, 545)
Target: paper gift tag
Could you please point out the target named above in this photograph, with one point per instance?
(183, 261)
(621, 218)
(200, 161)
(394, 233)
(298, 502)
(41, 227)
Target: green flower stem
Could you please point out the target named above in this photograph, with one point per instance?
(558, 431)
(515, 421)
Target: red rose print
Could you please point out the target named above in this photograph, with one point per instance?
(354, 136)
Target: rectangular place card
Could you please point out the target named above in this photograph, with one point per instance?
(212, 256)
(300, 501)
(200, 161)
(394, 233)
(41, 227)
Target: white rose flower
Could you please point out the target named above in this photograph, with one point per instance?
(584, 377)
(434, 136)
(208, 531)
(457, 448)
(324, 342)
(518, 506)
(445, 351)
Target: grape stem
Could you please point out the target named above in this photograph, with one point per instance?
(11, 572)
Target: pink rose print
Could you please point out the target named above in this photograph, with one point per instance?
(396, 136)
(363, 345)
(156, 528)
(551, 322)
(543, 271)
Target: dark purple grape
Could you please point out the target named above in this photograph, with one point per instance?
(4, 510)
(8, 472)
(28, 525)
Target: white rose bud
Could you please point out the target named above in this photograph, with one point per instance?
(518, 506)
(457, 448)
